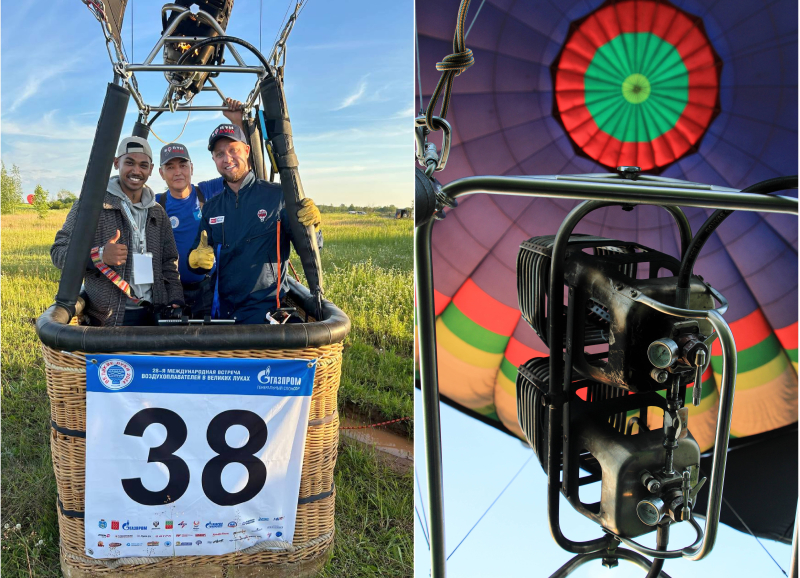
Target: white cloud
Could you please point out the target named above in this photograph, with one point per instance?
(407, 113)
(359, 93)
(33, 83)
(47, 129)
(41, 73)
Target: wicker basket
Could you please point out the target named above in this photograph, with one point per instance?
(313, 538)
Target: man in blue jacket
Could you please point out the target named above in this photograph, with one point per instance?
(245, 231)
(184, 202)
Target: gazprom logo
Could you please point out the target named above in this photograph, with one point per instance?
(263, 376)
(115, 374)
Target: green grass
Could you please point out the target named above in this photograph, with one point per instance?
(368, 268)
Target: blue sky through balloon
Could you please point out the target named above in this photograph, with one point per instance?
(513, 538)
(350, 111)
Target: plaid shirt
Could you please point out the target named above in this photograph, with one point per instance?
(106, 301)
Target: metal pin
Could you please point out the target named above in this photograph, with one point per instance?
(697, 390)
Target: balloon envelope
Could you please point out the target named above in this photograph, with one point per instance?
(507, 119)
(30, 199)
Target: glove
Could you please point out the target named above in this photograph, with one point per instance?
(308, 214)
(203, 256)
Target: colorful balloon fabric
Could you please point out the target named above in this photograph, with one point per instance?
(637, 83)
(710, 98)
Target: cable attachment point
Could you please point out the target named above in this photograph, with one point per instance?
(427, 155)
(120, 68)
(442, 201)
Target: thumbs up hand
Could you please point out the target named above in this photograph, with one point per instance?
(115, 253)
(203, 256)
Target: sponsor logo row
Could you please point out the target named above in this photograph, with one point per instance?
(169, 524)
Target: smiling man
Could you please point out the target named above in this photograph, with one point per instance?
(132, 270)
(184, 202)
(245, 230)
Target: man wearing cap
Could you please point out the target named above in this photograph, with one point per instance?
(132, 270)
(245, 231)
(184, 202)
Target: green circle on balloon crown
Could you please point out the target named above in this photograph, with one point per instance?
(636, 87)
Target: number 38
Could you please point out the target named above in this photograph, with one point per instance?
(212, 473)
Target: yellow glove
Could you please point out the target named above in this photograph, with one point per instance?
(308, 214)
(203, 256)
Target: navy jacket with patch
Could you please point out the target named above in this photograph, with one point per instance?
(243, 230)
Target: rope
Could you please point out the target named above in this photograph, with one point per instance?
(54, 367)
(177, 137)
(278, 243)
(490, 506)
(450, 67)
(296, 276)
(378, 424)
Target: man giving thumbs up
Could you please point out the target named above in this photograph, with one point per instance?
(113, 252)
(203, 256)
(132, 270)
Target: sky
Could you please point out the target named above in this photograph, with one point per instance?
(349, 76)
(513, 539)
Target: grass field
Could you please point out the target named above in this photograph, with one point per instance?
(367, 263)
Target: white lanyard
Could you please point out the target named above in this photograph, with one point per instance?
(139, 234)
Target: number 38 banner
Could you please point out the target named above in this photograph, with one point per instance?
(188, 456)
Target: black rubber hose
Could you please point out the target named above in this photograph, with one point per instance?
(716, 219)
(224, 39)
(155, 116)
(279, 132)
(662, 539)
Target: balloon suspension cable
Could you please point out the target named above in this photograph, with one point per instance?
(760, 543)
(425, 529)
(277, 56)
(511, 481)
(119, 56)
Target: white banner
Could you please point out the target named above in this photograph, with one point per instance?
(191, 456)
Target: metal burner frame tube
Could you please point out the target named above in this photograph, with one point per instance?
(611, 188)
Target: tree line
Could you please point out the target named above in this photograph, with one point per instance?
(11, 194)
(12, 198)
(348, 208)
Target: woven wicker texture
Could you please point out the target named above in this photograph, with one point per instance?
(66, 387)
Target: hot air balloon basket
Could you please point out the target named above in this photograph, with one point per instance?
(314, 531)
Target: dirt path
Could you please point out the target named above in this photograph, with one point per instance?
(396, 450)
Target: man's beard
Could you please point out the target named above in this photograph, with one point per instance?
(234, 179)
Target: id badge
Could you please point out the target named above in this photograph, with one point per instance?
(143, 268)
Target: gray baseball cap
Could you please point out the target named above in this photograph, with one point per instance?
(134, 144)
(174, 151)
